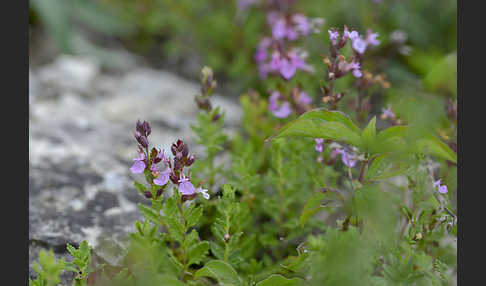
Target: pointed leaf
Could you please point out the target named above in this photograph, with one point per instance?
(279, 280)
(221, 271)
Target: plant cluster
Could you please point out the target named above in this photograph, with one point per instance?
(335, 191)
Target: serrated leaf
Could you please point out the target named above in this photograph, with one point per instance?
(197, 252)
(279, 280)
(140, 187)
(221, 271)
(194, 215)
(149, 213)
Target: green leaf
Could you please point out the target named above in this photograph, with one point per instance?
(435, 147)
(168, 280)
(221, 271)
(217, 250)
(149, 213)
(141, 188)
(311, 207)
(279, 280)
(314, 204)
(369, 134)
(197, 252)
(322, 123)
(193, 216)
(382, 167)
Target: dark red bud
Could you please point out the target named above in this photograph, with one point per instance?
(143, 141)
(159, 192)
(146, 127)
(153, 153)
(148, 194)
(139, 126)
(190, 160)
(185, 150)
(188, 197)
(173, 177)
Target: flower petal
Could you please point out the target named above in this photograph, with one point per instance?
(137, 167)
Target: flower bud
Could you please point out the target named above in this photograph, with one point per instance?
(148, 194)
(139, 127)
(143, 141)
(188, 197)
(185, 150)
(190, 160)
(174, 178)
(146, 127)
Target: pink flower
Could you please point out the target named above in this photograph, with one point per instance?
(303, 98)
(371, 38)
(387, 113)
(355, 66)
(351, 35)
(203, 192)
(139, 165)
(441, 188)
(281, 111)
(185, 185)
(346, 158)
(333, 36)
(163, 177)
(359, 45)
(319, 144)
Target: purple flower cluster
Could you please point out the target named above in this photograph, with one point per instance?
(281, 107)
(147, 162)
(276, 54)
(359, 44)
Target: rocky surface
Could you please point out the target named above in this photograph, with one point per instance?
(81, 146)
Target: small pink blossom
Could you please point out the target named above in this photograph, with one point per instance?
(185, 185)
(139, 165)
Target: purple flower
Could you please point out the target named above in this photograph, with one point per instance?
(287, 68)
(261, 52)
(371, 38)
(281, 111)
(185, 186)
(163, 177)
(352, 35)
(355, 66)
(139, 165)
(275, 61)
(279, 29)
(244, 4)
(302, 24)
(441, 188)
(346, 158)
(303, 98)
(319, 144)
(357, 73)
(333, 35)
(359, 45)
(204, 192)
(387, 113)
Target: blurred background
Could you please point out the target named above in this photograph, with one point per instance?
(98, 65)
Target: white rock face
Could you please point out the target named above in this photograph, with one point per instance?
(81, 146)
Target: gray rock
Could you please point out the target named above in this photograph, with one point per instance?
(81, 146)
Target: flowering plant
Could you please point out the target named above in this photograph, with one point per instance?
(315, 192)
